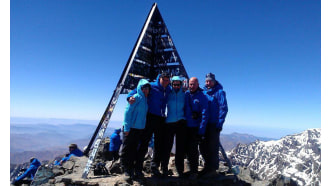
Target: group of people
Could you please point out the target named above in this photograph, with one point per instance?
(163, 109)
(29, 174)
(158, 111)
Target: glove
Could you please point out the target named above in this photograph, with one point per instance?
(219, 129)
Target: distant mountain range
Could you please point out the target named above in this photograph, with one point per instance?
(47, 141)
(294, 156)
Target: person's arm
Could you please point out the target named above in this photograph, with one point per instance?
(128, 116)
(130, 97)
(223, 109)
(205, 114)
(25, 174)
(187, 108)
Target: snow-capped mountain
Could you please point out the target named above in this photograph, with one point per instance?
(295, 156)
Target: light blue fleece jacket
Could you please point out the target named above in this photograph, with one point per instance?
(135, 114)
(175, 104)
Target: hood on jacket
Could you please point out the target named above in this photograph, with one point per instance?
(176, 78)
(35, 162)
(158, 80)
(141, 83)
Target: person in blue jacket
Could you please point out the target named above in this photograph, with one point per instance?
(133, 125)
(114, 146)
(196, 113)
(73, 151)
(175, 125)
(29, 173)
(155, 124)
(218, 109)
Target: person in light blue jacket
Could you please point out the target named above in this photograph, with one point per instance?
(155, 124)
(175, 125)
(29, 173)
(133, 125)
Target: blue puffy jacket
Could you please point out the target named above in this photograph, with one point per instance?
(157, 97)
(197, 103)
(115, 141)
(135, 114)
(217, 104)
(175, 106)
(31, 171)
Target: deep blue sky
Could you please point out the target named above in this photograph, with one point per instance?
(66, 57)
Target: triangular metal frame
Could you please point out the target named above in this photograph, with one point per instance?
(154, 52)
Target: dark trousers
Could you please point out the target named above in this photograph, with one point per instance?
(179, 129)
(129, 151)
(209, 147)
(111, 155)
(154, 125)
(192, 148)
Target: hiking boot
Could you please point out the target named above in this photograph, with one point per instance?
(193, 176)
(127, 176)
(210, 174)
(202, 172)
(139, 174)
(180, 174)
(155, 172)
(165, 173)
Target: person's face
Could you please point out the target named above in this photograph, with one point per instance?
(193, 85)
(145, 91)
(176, 85)
(71, 149)
(164, 81)
(209, 84)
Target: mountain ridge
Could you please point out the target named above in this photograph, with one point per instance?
(297, 156)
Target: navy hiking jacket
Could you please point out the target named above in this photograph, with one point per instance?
(218, 107)
(196, 103)
(115, 141)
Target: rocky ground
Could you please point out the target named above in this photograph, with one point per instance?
(71, 171)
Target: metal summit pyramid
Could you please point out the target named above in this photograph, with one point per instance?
(154, 52)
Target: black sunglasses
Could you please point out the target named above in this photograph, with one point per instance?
(176, 84)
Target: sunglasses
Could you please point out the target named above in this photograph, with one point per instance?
(176, 85)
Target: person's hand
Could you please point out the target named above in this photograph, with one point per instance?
(126, 133)
(131, 100)
(219, 129)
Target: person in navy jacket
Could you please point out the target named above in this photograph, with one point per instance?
(29, 173)
(73, 151)
(157, 99)
(196, 113)
(114, 145)
(218, 109)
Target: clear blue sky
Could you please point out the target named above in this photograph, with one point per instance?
(66, 57)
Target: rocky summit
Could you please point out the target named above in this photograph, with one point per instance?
(294, 157)
(292, 160)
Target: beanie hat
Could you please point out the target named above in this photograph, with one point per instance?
(210, 76)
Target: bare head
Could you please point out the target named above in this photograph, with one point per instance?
(164, 79)
(193, 84)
